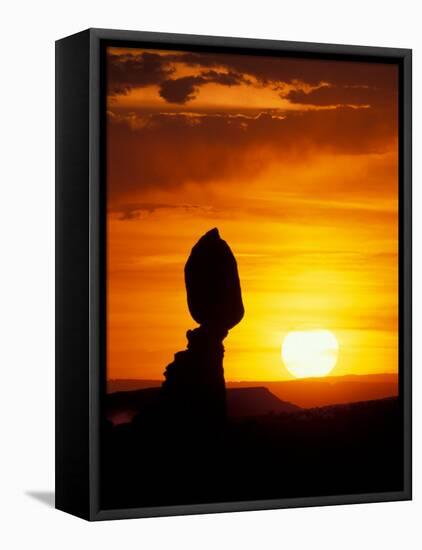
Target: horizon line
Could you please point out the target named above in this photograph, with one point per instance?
(275, 380)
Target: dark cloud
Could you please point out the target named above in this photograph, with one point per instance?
(133, 211)
(181, 90)
(274, 69)
(354, 80)
(127, 71)
(343, 95)
(168, 150)
(171, 150)
(225, 79)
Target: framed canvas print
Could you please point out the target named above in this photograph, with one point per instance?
(233, 326)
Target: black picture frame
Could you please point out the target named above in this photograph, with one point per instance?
(80, 260)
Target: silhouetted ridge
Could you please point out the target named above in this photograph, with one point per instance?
(123, 406)
(255, 402)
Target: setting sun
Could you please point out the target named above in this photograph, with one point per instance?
(310, 352)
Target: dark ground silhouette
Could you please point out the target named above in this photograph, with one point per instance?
(344, 449)
(179, 445)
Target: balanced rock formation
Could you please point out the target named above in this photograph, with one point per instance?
(194, 387)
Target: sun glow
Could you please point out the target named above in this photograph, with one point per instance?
(294, 185)
(310, 352)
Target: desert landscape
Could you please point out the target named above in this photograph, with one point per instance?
(271, 447)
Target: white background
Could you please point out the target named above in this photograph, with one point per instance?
(27, 37)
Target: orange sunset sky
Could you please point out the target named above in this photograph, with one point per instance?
(295, 161)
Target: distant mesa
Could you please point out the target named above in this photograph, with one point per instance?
(330, 390)
(243, 402)
(122, 406)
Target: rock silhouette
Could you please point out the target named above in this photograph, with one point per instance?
(193, 392)
(212, 283)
